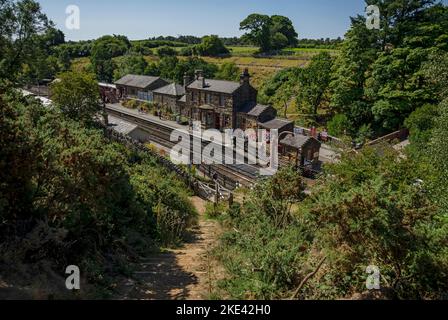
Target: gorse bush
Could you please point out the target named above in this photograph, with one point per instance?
(70, 196)
(369, 209)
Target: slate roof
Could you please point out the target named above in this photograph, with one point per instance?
(132, 80)
(121, 126)
(183, 99)
(296, 141)
(175, 90)
(220, 86)
(276, 124)
(258, 110)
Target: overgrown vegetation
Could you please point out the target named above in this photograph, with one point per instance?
(68, 194)
(370, 209)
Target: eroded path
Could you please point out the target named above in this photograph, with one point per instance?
(187, 273)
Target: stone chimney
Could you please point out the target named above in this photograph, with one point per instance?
(245, 76)
(201, 82)
(199, 74)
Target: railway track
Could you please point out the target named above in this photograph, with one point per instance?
(160, 133)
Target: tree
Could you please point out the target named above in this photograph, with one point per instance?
(283, 25)
(211, 46)
(77, 96)
(258, 28)
(350, 73)
(279, 41)
(378, 78)
(54, 37)
(438, 153)
(435, 71)
(372, 211)
(192, 64)
(131, 63)
(21, 23)
(228, 71)
(275, 32)
(166, 52)
(339, 125)
(103, 50)
(313, 82)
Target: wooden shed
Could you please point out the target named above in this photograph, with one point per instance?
(299, 149)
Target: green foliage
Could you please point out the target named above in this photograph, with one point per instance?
(435, 71)
(283, 26)
(130, 64)
(420, 124)
(76, 95)
(313, 83)
(173, 68)
(369, 209)
(339, 125)
(379, 77)
(438, 153)
(69, 195)
(211, 46)
(103, 50)
(228, 71)
(268, 33)
(23, 26)
(166, 52)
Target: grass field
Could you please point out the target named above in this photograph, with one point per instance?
(260, 68)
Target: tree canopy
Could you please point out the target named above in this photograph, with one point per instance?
(269, 33)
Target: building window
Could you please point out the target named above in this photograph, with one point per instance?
(208, 98)
(221, 101)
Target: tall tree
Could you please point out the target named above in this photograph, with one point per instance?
(20, 24)
(211, 46)
(313, 83)
(275, 32)
(131, 63)
(77, 96)
(283, 25)
(103, 50)
(258, 29)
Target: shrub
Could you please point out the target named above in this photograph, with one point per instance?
(339, 125)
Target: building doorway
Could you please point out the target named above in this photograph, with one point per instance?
(217, 121)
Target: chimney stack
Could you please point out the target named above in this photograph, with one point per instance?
(245, 76)
(199, 74)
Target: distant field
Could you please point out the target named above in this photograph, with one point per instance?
(260, 68)
(243, 50)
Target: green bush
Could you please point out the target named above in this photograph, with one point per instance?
(339, 125)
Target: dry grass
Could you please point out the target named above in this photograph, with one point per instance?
(260, 68)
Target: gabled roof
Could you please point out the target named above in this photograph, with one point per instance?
(132, 80)
(175, 90)
(183, 98)
(258, 110)
(221, 86)
(121, 126)
(276, 124)
(297, 141)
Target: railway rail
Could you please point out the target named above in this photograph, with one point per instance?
(159, 133)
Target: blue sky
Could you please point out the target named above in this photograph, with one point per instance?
(140, 19)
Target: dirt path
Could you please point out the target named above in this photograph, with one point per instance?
(187, 273)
